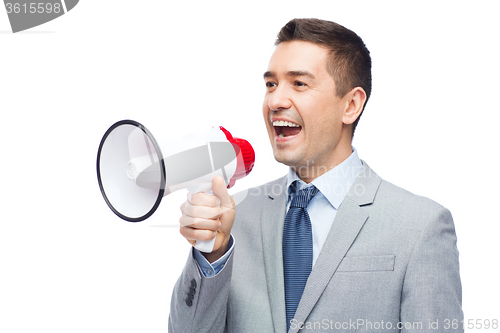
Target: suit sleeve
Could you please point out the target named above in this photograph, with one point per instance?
(199, 303)
(432, 291)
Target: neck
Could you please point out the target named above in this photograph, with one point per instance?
(314, 169)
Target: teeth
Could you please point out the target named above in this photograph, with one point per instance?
(284, 123)
(281, 135)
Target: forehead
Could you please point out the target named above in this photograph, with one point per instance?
(299, 56)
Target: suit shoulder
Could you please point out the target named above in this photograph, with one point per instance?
(400, 195)
(405, 203)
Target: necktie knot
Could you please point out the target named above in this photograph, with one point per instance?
(302, 198)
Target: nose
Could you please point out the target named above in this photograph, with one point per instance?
(279, 99)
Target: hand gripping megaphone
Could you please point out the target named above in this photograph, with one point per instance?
(134, 174)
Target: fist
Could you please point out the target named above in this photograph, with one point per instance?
(205, 214)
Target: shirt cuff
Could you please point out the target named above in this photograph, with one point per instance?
(212, 269)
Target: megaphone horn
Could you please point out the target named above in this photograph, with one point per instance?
(134, 175)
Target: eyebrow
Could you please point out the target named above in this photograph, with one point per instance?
(270, 74)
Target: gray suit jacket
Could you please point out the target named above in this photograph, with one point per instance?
(389, 264)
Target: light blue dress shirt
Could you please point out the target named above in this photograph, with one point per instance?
(333, 187)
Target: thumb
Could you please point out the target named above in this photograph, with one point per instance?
(226, 219)
(220, 190)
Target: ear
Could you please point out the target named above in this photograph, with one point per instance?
(355, 100)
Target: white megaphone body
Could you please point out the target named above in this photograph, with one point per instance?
(134, 174)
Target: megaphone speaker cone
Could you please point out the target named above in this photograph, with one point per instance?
(128, 149)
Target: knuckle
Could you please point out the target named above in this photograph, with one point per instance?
(186, 221)
(198, 224)
(195, 199)
(193, 223)
(215, 201)
(185, 233)
(196, 211)
(204, 235)
(217, 212)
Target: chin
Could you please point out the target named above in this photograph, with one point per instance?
(285, 159)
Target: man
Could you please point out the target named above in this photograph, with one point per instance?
(357, 255)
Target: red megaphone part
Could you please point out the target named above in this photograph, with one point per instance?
(245, 155)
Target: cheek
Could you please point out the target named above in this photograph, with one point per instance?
(265, 115)
(265, 109)
(323, 128)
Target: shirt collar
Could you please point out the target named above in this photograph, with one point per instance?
(333, 184)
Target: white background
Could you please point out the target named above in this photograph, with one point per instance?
(68, 264)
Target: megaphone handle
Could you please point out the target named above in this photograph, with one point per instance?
(203, 246)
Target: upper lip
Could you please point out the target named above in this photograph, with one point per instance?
(282, 119)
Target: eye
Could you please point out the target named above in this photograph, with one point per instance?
(300, 84)
(270, 84)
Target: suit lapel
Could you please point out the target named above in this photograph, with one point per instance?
(272, 220)
(348, 222)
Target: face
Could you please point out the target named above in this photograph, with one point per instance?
(303, 114)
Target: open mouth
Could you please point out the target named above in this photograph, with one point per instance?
(284, 129)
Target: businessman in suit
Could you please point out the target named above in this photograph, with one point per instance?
(330, 247)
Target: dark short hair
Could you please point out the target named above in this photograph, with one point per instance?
(349, 61)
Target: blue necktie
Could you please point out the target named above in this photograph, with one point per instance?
(297, 250)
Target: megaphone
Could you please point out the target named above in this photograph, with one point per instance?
(134, 174)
